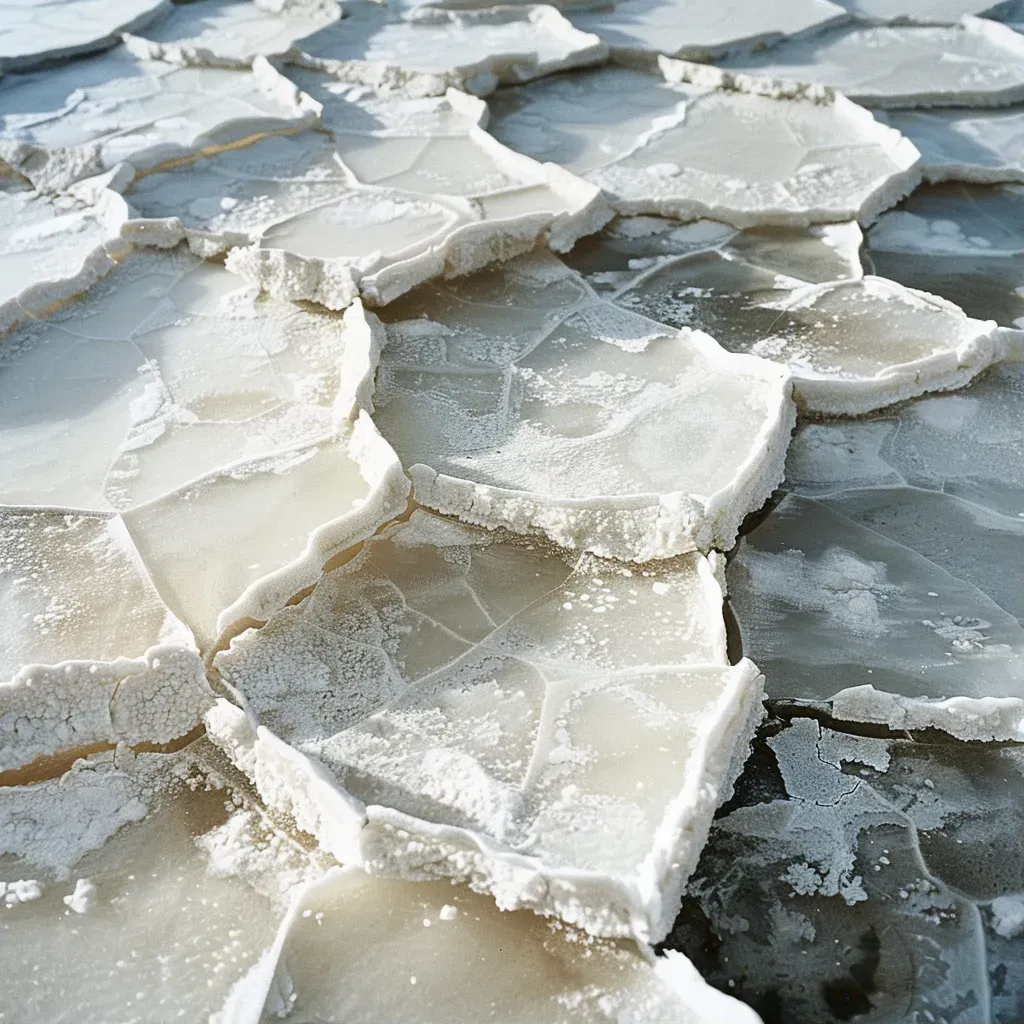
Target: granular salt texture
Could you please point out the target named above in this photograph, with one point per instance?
(518, 398)
(427, 49)
(427, 193)
(354, 947)
(64, 124)
(464, 703)
(975, 63)
(121, 402)
(698, 142)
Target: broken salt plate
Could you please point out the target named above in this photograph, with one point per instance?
(678, 145)
(976, 63)
(964, 242)
(62, 125)
(706, 29)
(354, 947)
(232, 33)
(430, 49)
(40, 31)
(441, 705)
(203, 448)
(517, 398)
(129, 855)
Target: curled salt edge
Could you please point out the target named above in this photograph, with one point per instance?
(387, 842)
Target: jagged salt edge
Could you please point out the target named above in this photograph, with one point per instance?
(945, 371)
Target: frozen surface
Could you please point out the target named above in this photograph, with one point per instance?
(195, 442)
(517, 398)
(61, 125)
(919, 12)
(359, 948)
(37, 31)
(450, 694)
(697, 142)
(976, 63)
(428, 48)
(232, 33)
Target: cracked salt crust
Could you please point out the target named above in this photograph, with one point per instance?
(203, 449)
(39, 31)
(699, 142)
(59, 126)
(369, 949)
(427, 49)
(705, 29)
(448, 698)
(519, 399)
(232, 33)
(975, 63)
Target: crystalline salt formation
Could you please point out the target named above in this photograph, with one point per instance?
(122, 402)
(426, 193)
(463, 703)
(698, 142)
(428, 49)
(61, 125)
(519, 399)
(38, 31)
(360, 948)
(976, 63)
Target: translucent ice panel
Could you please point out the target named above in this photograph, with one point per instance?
(61, 125)
(497, 708)
(975, 63)
(697, 143)
(518, 399)
(361, 948)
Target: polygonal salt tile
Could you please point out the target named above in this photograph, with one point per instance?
(964, 242)
(458, 702)
(976, 63)
(51, 249)
(518, 398)
(982, 146)
(853, 346)
(232, 33)
(123, 900)
(698, 142)
(416, 191)
(61, 125)
(427, 49)
(354, 947)
(88, 653)
(705, 29)
(39, 31)
(230, 431)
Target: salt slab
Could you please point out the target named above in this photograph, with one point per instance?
(705, 29)
(458, 702)
(359, 948)
(519, 399)
(122, 402)
(699, 142)
(64, 124)
(38, 31)
(427, 193)
(975, 63)
(427, 49)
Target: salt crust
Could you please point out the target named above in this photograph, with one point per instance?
(182, 449)
(81, 120)
(37, 33)
(460, 681)
(430, 49)
(655, 145)
(975, 63)
(554, 436)
(706, 29)
(556, 976)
